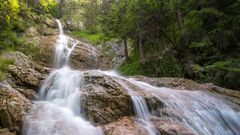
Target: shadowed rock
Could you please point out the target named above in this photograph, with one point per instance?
(13, 106)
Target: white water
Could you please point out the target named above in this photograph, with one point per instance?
(202, 112)
(59, 111)
(205, 114)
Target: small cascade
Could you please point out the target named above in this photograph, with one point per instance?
(140, 108)
(139, 103)
(58, 112)
(63, 49)
(202, 112)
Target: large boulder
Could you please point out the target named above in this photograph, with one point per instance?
(85, 56)
(25, 72)
(103, 100)
(13, 106)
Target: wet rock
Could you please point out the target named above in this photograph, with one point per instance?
(24, 72)
(232, 97)
(124, 126)
(129, 126)
(103, 100)
(169, 127)
(13, 106)
(5, 131)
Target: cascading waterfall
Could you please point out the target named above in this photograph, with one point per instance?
(59, 111)
(202, 112)
(205, 114)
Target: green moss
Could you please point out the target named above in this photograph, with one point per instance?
(92, 37)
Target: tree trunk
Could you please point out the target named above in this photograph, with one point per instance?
(61, 4)
(125, 48)
(181, 27)
(180, 21)
(141, 51)
(187, 57)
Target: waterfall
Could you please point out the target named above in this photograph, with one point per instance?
(202, 112)
(58, 112)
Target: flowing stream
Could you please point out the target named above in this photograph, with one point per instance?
(59, 111)
(202, 112)
(205, 114)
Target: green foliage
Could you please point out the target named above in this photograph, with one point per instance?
(193, 39)
(91, 13)
(203, 36)
(28, 49)
(9, 10)
(132, 67)
(166, 66)
(47, 4)
(9, 39)
(4, 63)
